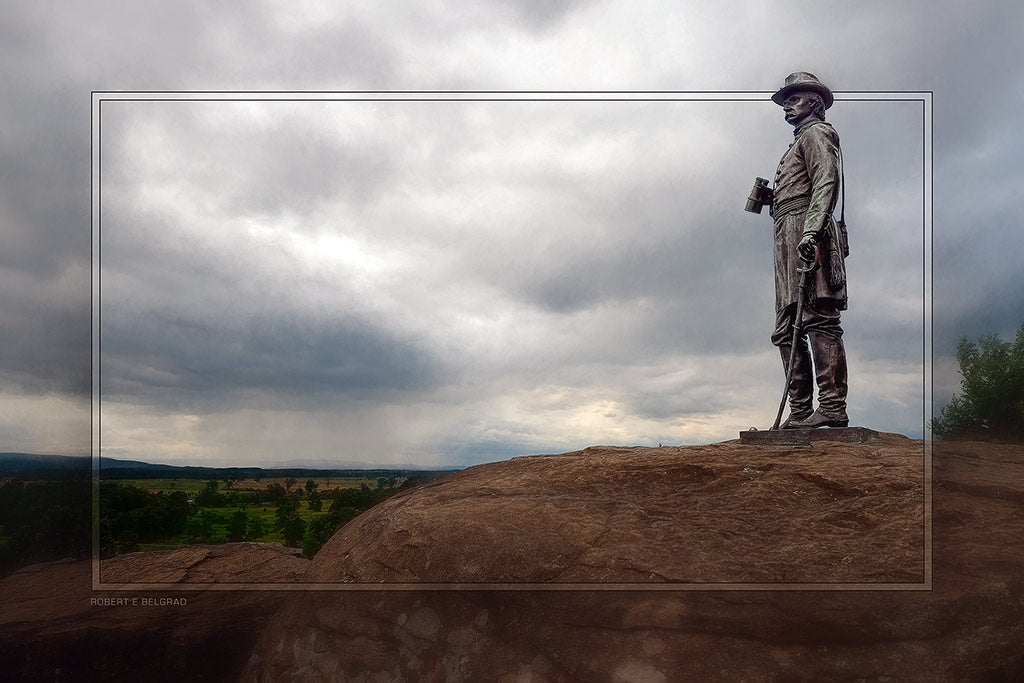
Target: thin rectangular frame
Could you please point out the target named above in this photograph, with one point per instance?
(924, 97)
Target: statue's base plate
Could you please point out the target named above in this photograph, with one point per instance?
(803, 437)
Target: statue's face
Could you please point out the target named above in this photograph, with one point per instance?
(797, 107)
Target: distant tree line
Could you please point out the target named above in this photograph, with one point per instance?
(147, 471)
(43, 521)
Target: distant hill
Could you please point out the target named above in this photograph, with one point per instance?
(34, 465)
(44, 466)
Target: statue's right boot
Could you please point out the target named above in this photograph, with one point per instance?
(801, 385)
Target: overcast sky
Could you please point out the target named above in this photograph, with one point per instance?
(446, 282)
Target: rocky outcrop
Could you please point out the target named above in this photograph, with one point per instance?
(54, 627)
(853, 500)
(225, 563)
(726, 512)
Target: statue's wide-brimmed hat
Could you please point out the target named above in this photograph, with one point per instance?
(801, 80)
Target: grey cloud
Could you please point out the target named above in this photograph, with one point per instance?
(344, 52)
(703, 397)
(46, 333)
(176, 361)
(285, 165)
(543, 15)
(44, 191)
(282, 171)
(44, 209)
(182, 326)
(465, 452)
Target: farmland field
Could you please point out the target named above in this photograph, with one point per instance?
(193, 486)
(160, 513)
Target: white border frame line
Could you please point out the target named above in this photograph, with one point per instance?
(98, 97)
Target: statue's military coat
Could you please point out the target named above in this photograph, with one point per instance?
(810, 169)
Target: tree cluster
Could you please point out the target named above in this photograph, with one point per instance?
(43, 521)
(990, 406)
(129, 516)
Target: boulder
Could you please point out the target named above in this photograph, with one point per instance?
(722, 513)
(967, 624)
(606, 601)
(224, 563)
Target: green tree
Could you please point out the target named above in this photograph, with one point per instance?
(287, 508)
(990, 406)
(294, 530)
(318, 532)
(255, 529)
(275, 493)
(130, 515)
(127, 541)
(208, 497)
(321, 528)
(237, 526)
(200, 528)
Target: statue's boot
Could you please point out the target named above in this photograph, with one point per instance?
(830, 373)
(801, 386)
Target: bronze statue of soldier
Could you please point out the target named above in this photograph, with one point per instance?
(802, 199)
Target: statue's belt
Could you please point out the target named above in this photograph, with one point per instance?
(791, 205)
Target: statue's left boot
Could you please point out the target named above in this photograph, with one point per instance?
(801, 384)
(830, 373)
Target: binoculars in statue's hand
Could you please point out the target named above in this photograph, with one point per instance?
(760, 196)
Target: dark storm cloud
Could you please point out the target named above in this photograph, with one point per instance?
(190, 363)
(978, 175)
(44, 208)
(46, 332)
(51, 59)
(978, 240)
(196, 313)
(186, 328)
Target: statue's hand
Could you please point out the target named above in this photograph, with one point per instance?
(806, 247)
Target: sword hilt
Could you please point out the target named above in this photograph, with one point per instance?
(809, 265)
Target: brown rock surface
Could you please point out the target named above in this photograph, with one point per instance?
(970, 626)
(54, 627)
(225, 563)
(727, 512)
